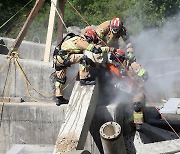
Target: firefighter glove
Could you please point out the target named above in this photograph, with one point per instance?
(111, 57)
(96, 50)
(131, 57)
(67, 62)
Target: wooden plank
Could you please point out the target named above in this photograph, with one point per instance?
(27, 24)
(50, 30)
(78, 117)
(60, 24)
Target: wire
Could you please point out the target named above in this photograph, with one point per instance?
(27, 81)
(148, 98)
(78, 13)
(15, 14)
(15, 26)
(59, 16)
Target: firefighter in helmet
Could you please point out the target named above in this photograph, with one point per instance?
(70, 51)
(110, 31)
(120, 65)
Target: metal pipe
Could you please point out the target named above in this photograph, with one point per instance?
(112, 138)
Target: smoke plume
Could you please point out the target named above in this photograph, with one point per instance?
(157, 50)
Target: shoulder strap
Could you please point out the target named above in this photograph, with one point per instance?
(70, 35)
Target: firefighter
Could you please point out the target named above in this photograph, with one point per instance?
(117, 59)
(70, 51)
(110, 31)
(138, 107)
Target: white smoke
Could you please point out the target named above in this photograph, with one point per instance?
(160, 42)
(157, 50)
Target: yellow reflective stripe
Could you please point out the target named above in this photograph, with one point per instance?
(138, 115)
(104, 49)
(90, 47)
(82, 67)
(101, 35)
(71, 46)
(57, 84)
(141, 72)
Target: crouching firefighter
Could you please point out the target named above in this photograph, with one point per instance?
(117, 59)
(70, 51)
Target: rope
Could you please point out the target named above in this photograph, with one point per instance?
(86, 22)
(79, 13)
(148, 98)
(27, 81)
(29, 84)
(2, 68)
(15, 14)
(70, 82)
(59, 16)
(131, 77)
(6, 89)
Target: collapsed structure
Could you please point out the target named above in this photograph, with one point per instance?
(34, 126)
(92, 122)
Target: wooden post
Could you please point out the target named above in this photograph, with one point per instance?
(50, 30)
(60, 24)
(28, 22)
(60, 7)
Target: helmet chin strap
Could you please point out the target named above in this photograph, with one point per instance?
(88, 39)
(114, 32)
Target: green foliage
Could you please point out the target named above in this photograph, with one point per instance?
(136, 14)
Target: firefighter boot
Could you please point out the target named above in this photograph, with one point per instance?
(87, 81)
(61, 100)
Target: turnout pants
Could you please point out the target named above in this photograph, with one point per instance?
(61, 73)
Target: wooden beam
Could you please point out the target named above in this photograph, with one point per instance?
(50, 30)
(78, 117)
(60, 24)
(27, 24)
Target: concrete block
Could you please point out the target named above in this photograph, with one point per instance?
(164, 147)
(31, 149)
(30, 123)
(3, 49)
(156, 134)
(78, 117)
(171, 106)
(79, 152)
(11, 99)
(37, 73)
(27, 49)
(171, 109)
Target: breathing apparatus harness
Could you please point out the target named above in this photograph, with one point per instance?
(59, 52)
